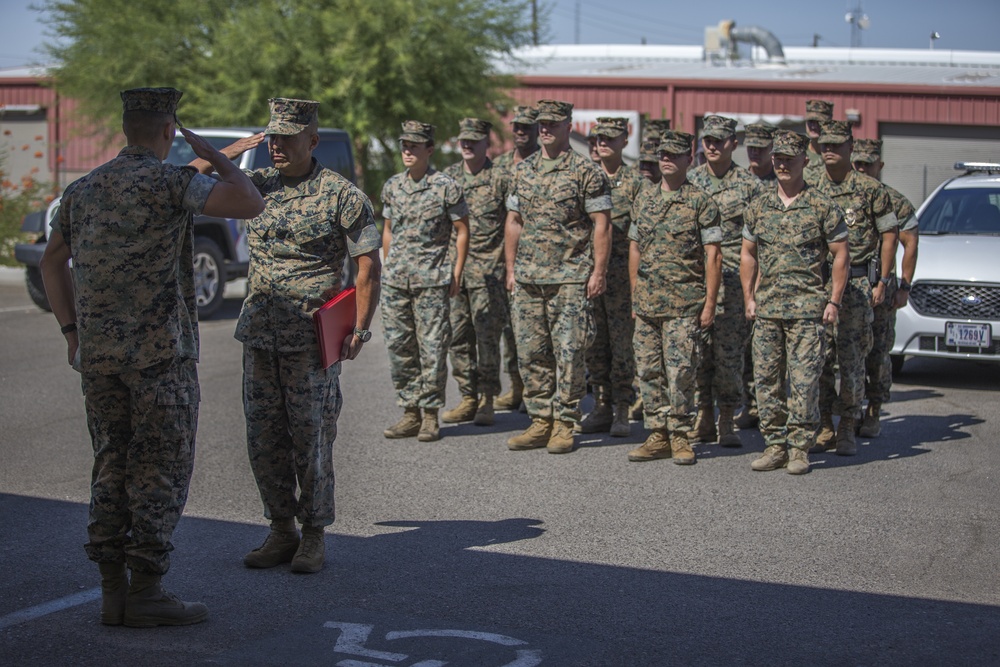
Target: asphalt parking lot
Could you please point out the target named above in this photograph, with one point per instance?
(461, 552)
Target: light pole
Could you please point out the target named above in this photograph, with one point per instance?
(934, 37)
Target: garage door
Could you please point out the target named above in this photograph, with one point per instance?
(918, 158)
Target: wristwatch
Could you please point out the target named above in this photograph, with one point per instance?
(364, 335)
(904, 286)
(885, 281)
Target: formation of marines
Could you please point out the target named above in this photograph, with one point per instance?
(700, 299)
(712, 288)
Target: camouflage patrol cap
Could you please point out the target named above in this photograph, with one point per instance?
(654, 128)
(554, 111)
(789, 143)
(474, 129)
(611, 127)
(158, 100)
(718, 127)
(289, 116)
(525, 115)
(676, 142)
(819, 110)
(414, 130)
(648, 150)
(592, 132)
(758, 135)
(867, 150)
(834, 131)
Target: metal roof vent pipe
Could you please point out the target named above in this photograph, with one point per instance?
(752, 35)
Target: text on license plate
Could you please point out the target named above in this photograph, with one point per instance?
(968, 334)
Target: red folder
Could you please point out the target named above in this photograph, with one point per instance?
(334, 320)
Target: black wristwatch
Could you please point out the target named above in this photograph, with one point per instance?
(903, 286)
(68, 328)
(364, 335)
(885, 281)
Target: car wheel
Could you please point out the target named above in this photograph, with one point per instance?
(36, 290)
(209, 276)
(897, 363)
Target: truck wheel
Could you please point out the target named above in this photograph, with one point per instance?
(209, 276)
(897, 363)
(36, 290)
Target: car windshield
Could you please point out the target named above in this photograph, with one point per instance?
(963, 211)
(181, 153)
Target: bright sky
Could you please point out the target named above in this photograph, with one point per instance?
(962, 24)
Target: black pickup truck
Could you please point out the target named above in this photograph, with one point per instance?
(220, 244)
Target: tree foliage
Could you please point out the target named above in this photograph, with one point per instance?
(372, 65)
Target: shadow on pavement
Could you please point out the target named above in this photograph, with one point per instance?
(434, 594)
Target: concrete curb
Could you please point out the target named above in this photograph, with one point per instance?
(11, 275)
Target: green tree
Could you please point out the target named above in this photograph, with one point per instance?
(372, 65)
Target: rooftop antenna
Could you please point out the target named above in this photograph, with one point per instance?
(859, 21)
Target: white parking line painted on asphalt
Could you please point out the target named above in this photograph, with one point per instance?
(46, 608)
(18, 309)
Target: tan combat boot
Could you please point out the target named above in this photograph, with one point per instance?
(774, 457)
(279, 546)
(512, 399)
(727, 434)
(484, 413)
(680, 449)
(825, 436)
(870, 426)
(798, 461)
(407, 427)
(599, 420)
(429, 431)
(148, 605)
(465, 411)
(620, 427)
(657, 446)
(114, 587)
(311, 552)
(847, 445)
(536, 435)
(561, 440)
(704, 431)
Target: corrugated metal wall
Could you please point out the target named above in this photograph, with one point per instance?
(686, 102)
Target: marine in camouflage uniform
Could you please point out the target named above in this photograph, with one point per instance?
(817, 111)
(132, 333)
(788, 233)
(867, 158)
(759, 139)
(610, 359)
(479, 311)
(312, 220)
(524, 129)
(720, 369)
(421, 207)
(649, 160)
(674, 268)
(557, 246)
(872, 227)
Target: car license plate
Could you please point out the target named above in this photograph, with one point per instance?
(968, 334)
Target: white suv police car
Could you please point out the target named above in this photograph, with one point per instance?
(954, 306)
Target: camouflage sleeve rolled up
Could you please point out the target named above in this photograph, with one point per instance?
(454, 199)
(883, 210)
(906, 215)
